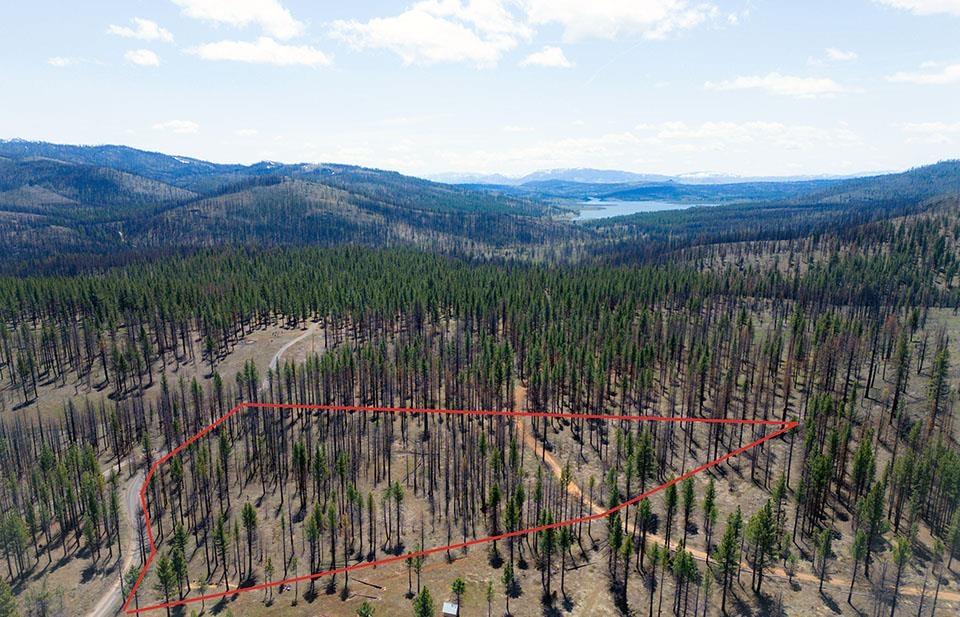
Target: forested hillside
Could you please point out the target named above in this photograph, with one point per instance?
(144, 301)
(847, 205)
(61, 203)
(849, 333)
(665, 189)
(67, 201)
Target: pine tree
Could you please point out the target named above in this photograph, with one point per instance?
(688, 505)
(939, 388)
(178, 562)
(953, 537)
(508, 583)
(651, 579)
(8, 603)
(548, 547)
(728, 555)
(870, 515)
(268, 572)
(670, 506)
(626, 551)
(902, 361)
(458, 587)
(864, 465)
(684, 570)
(644, 516)
(249, 518)
(761, 536)
(710, 514)
(823, 554)
(130, 578)
(858, 551)
(489, 597)
(566, 541)
(221, 543)
(166, 579)
(423, 604)
(901, 555)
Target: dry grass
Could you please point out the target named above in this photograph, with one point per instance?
(81, 582)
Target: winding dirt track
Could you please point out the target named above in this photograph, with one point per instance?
(111, 601)
(775, 572)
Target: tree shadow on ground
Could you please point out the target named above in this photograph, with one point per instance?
(830, 603)
(220, 607)
(741, 608)
(87, 574)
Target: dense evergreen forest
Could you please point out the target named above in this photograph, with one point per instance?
(60, 204)
(838, 311)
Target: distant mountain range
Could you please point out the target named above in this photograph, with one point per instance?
(62, 204)
(612, 176)
(585, 176)
(58, 200)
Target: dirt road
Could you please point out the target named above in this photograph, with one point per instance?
(776, 572)
(112, 600)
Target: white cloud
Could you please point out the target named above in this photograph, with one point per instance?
(745, 148)
(181, 127)
(679, 145)
(735, 18)
(513, 128)
(840, 55)
(270, 15)
(246, 132)
(608, 19)
(925, 7)
(931, 127)
(481, 31)
(434, 31)
(549, 56)
(144, 29)
(142, 57)
(61, 62)
(948, 74)
(832, 54)
(931, 132)
(602, 150)
(407, 120)
(744, 136)
(263, 51)
(783, 85)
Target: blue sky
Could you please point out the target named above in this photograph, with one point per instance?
(746, 87)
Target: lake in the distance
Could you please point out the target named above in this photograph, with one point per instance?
(603, 209)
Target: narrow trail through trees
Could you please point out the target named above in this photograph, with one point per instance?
(107, 606)
(111, 602)
(574, 490)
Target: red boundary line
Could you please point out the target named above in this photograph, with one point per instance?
(785, 426)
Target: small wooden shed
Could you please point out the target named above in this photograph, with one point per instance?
(450, 609)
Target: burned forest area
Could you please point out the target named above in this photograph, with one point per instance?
(522, 420)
